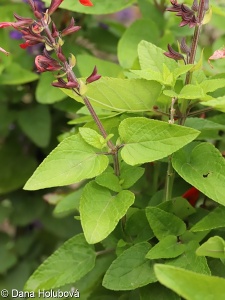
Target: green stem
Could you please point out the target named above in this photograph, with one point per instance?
(169, 180)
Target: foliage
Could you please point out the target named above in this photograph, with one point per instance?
(112, 154)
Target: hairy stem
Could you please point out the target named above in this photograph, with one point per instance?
(194, 45)
(185, 103)
(97, 121)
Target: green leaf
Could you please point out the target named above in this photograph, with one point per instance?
(214, 247)
(109, 180)
(134, 95)
(87, 284)
(137, 226)
(218, 103)
(207, 175)
(189, 260)
(157, 291)
(15, 74)
(58, 269)
(168, 247)
(211, 85)
(179, 206)
(166, 77)
(191, 91)
(68, 204)
(182, 70)
(215, 219)
(164, 223)
(208, 128)
(8, 258)
(129, 175)
(152, 57)
(45, 93)
(71, 161)
(148, 140)
(207, 16)
(100, 211)
(190, 285)
(100, 6)
(16, 167)
(135, 33)
(149, 74)
(36, 124)
(130, 270)
(92, 138)
(216, 266)
(170, 93)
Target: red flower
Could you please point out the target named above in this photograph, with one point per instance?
(25, 45)
(192, 195)
(46, 63)
(86, 2)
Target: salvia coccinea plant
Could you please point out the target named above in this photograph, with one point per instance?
(136, 243)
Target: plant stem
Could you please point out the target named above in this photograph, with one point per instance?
(106, 251)
(185, 103)
(114, 149)
(200, 111)
(169, 180)
(97, 121)
(116, 163)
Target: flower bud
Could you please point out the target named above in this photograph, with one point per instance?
(173, 54)
(54, 5)
(93, 77)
